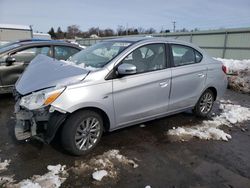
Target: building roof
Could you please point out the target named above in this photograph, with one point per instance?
(13, 26)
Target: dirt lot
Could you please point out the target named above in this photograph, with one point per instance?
(161, 163)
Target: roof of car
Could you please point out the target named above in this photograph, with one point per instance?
(150, 38)
(146, 38)
(31, 41)
(34, 41)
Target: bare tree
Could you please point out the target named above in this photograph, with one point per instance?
(108, 32)
(141, 30)
(93, 30)
(121, 30)
(150, 31)
(184, 30)
(73, 30)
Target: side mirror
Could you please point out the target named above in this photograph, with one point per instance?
(10, 60)
(126, 69)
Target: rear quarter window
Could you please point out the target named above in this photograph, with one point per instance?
(198, 56)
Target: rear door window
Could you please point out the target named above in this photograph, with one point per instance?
(184, 55)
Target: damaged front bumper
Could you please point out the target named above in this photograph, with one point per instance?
(40, 124)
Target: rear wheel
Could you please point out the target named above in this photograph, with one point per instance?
(204, 104)
(82, 132)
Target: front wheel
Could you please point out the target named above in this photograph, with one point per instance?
(82, 132)
(204, 104)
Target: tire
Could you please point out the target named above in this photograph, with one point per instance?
(204, 104)
(81, 132)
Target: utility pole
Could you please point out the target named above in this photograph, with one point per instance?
(162, 29)
(127, 29)
(98, 32)
(174, 22)
(31, 30)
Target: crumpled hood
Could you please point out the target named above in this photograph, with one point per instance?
(44, 72)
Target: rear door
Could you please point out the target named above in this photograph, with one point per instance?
(10, 73)
(188, 77)
(146, 93)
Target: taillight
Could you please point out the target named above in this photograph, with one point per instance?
(224, 68)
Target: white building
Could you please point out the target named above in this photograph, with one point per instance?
(10, 32)
(41, 36)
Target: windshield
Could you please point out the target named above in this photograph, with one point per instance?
(99, 54)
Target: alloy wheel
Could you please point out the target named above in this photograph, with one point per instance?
(206, 103)
(87, 133)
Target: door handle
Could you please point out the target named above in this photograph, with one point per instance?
(201, 75)
(163, 84)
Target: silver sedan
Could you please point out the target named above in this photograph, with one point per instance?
(111, 85)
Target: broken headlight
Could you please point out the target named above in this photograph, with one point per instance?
(40, 99)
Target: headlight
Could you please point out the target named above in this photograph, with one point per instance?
(40, 99)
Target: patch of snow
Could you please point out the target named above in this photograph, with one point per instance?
(81, 65)
(107, 161)
(4, 164)
(202, 132)
(28, 184)
(56, 169)
(83, 47)
(233, 113)
(52, 179)
(240, 82)
(114, 154)
(98, 175)
(76, 43)
(5, 180)
(239, 74)
(235, 65)
(210, 129)
(109, 53)
(94, 36)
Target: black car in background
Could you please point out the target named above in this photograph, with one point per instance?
(16, 56)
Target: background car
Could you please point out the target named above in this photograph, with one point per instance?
(16, 56)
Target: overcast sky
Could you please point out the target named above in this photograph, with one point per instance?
(203, 14)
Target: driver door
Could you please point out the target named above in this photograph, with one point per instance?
(145, 94)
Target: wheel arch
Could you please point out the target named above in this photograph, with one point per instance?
(214, 90)
(104, 115)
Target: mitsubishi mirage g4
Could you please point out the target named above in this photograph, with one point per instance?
(112, 85)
